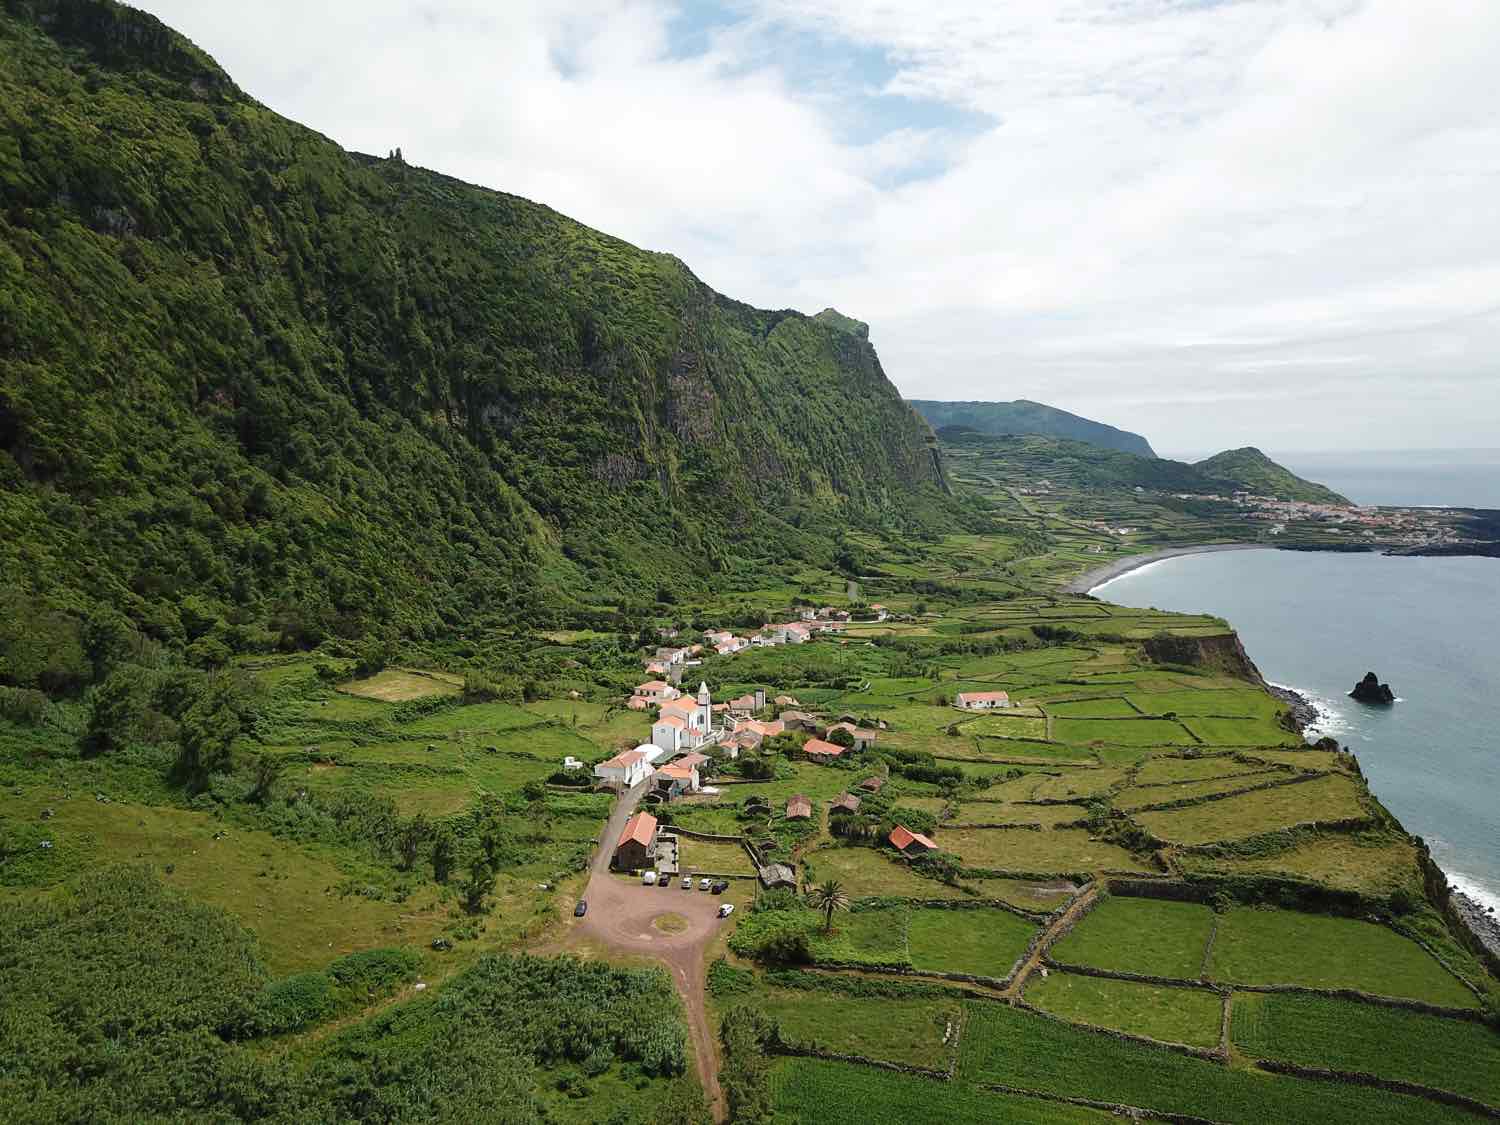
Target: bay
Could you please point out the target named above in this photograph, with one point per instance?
(1317, 622)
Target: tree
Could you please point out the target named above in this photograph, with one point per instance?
(267, 769)
(209, 726)
(841, 737)
(409, 840)
(481, 882)
(828, 897)
(442, 855)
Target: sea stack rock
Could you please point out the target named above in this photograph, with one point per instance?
(1371, 690)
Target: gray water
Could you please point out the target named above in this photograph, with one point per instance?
(1468, 478)
(1430, 627)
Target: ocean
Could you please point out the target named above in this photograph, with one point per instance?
(1430, 627)
(1464, 478)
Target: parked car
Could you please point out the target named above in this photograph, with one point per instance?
(720, 887)
(649, 878)
(726, 909)
(581, 909)
(687, 882)
(704, 884)
(665, 881)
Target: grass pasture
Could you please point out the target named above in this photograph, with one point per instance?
(712, 855)
(1015, 1048)
(1121, 732)
(1140, 935)
(996, 812)
(1106, 707)
(892, 1029)
(867, 872)
(1172, 1015)
(1343, 1035)
(1234, 818)
(1163, 768)
(399, 685)
(1138, 797)
(983, 942)
(873, 936)
(1214, 731)
(819, 1092)
(1018, 849)
(1373, 863)
(1264, 946)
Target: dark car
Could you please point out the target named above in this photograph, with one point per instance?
(664, 884)
(581, 909)
(720, 887)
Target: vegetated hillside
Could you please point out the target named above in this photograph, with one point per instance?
(1251, 470)
(313, 393)
(1024, 459)
(1026, 417)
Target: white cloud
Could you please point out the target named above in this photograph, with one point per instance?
(1252, 220)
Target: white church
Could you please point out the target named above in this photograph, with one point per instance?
(685, 724)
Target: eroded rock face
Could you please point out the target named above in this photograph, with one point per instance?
(1371, 690)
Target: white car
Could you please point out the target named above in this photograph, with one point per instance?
(726, 910)
(649, 878)
(704, 884)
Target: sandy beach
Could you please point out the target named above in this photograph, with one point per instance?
(1092, 579)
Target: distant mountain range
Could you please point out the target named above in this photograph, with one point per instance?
(1026, 417)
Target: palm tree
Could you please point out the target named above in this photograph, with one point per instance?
(828, 897)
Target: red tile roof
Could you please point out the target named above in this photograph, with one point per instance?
(691, 760)
(672, 721)
(903, 837)
(822, 749)
(638, 829)
(625, 758)
(983, 696)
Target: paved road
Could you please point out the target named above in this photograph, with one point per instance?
(621, 914)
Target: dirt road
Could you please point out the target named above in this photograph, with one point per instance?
(670, 924)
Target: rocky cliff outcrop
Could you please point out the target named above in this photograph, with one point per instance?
(1371, 690)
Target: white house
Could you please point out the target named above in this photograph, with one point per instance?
(684, 724)
(981, 700)
(880, 612)
(657, 690)
(625, 770)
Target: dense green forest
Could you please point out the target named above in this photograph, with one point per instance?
(257, 391)
(1026, 417)
(1253, 471)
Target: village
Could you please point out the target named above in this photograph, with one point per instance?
(693, 739)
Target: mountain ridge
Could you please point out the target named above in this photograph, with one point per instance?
(321, 391)
(1024, 416)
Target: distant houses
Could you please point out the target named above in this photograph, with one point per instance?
(981, 700)
(819, 750)
(863, 737)
(685, 724)
(845, 803)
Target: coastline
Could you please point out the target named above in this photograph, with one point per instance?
(1091, 580)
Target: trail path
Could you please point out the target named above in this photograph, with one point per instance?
(1055, 930)
(621, 915)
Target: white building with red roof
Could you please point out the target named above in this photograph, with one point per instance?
(625, 770)
(684, 724)
(981, 700)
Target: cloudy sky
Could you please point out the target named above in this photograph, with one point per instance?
(1214, 222)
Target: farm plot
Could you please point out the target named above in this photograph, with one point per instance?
(1121, 732)
(1109, 707)
(997, 812)
(866, 872)
(1040, 753)
(1343, 1035)
(396, 685)
(476, 717)
(1078, 784)
(1007, 726)
(1011, 1047)
(1163, 768)
(1138, 797)
(1234, 818)
(816, 1092)
(1019, 849)
(983, 942)
(1264, 946)
(873, 936)
(893, 1029)
(1172, 1015)
(713, 856)
(1140, 935)
(1233, 702)
(1372, 863)
(1240, 732)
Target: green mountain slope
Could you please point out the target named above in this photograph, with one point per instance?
(1022, 459)
(1251, 470)
(314, 393)
(1025, 417)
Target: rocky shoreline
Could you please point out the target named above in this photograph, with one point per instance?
(1301, 711)
(1481, 922)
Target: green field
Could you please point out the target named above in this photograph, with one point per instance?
(892, 1029)
(1375, 863)
(1321, 799)
(1263, 946)
(1081, 785)
(1121, 732)
(1172, 1015)
(994, 812)
(1140, 935)
(872, 936)
(982, 942)
(814, 1092)
(1108, 707)
(1343, 1035)
(1011, 1047)
(1139, 797)
(1240, 732)
(1162, 768)
(1061, 850)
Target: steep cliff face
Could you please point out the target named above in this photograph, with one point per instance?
(1223, 653)
(240, 363)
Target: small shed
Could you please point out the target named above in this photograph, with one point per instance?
(872, 784)
(636, 842)
(798, 808)
(903, 839)
(846, 803)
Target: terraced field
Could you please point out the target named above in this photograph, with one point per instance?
(1140, 935)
